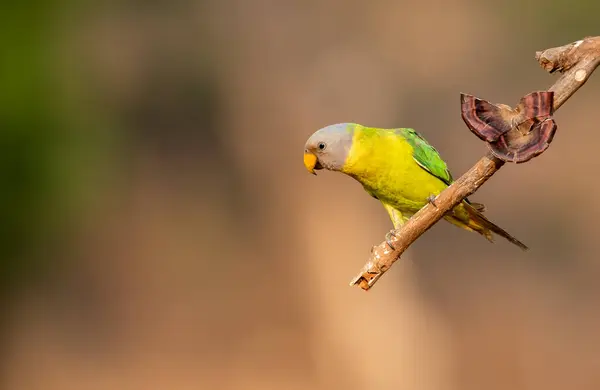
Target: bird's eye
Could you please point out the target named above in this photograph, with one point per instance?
(321, 145)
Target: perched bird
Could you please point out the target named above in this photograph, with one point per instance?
(399, 168)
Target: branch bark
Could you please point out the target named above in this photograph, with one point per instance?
(576, 61)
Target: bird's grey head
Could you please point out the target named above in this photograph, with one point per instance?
(328, 147)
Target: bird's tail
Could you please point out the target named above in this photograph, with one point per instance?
(468, 217)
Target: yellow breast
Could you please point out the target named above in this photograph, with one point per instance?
(382, 161)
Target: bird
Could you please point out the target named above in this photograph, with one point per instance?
(399, 168)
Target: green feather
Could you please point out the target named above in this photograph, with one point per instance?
(429, 159)
(426, 155)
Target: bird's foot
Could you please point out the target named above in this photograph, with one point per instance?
(431, 199)
(388, 238)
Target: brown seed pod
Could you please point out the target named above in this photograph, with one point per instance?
(513, 135)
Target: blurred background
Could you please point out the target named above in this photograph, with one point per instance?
(159, 230)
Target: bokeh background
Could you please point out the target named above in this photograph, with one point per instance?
(159, 230)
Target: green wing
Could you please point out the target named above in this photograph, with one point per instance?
(426, 156)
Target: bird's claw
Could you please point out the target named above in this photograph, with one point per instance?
(431, 199)
(388, 239)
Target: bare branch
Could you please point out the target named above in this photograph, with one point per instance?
(576, 62)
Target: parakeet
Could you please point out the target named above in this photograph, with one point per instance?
(399, 168)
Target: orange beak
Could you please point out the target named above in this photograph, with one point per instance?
(310, 161)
